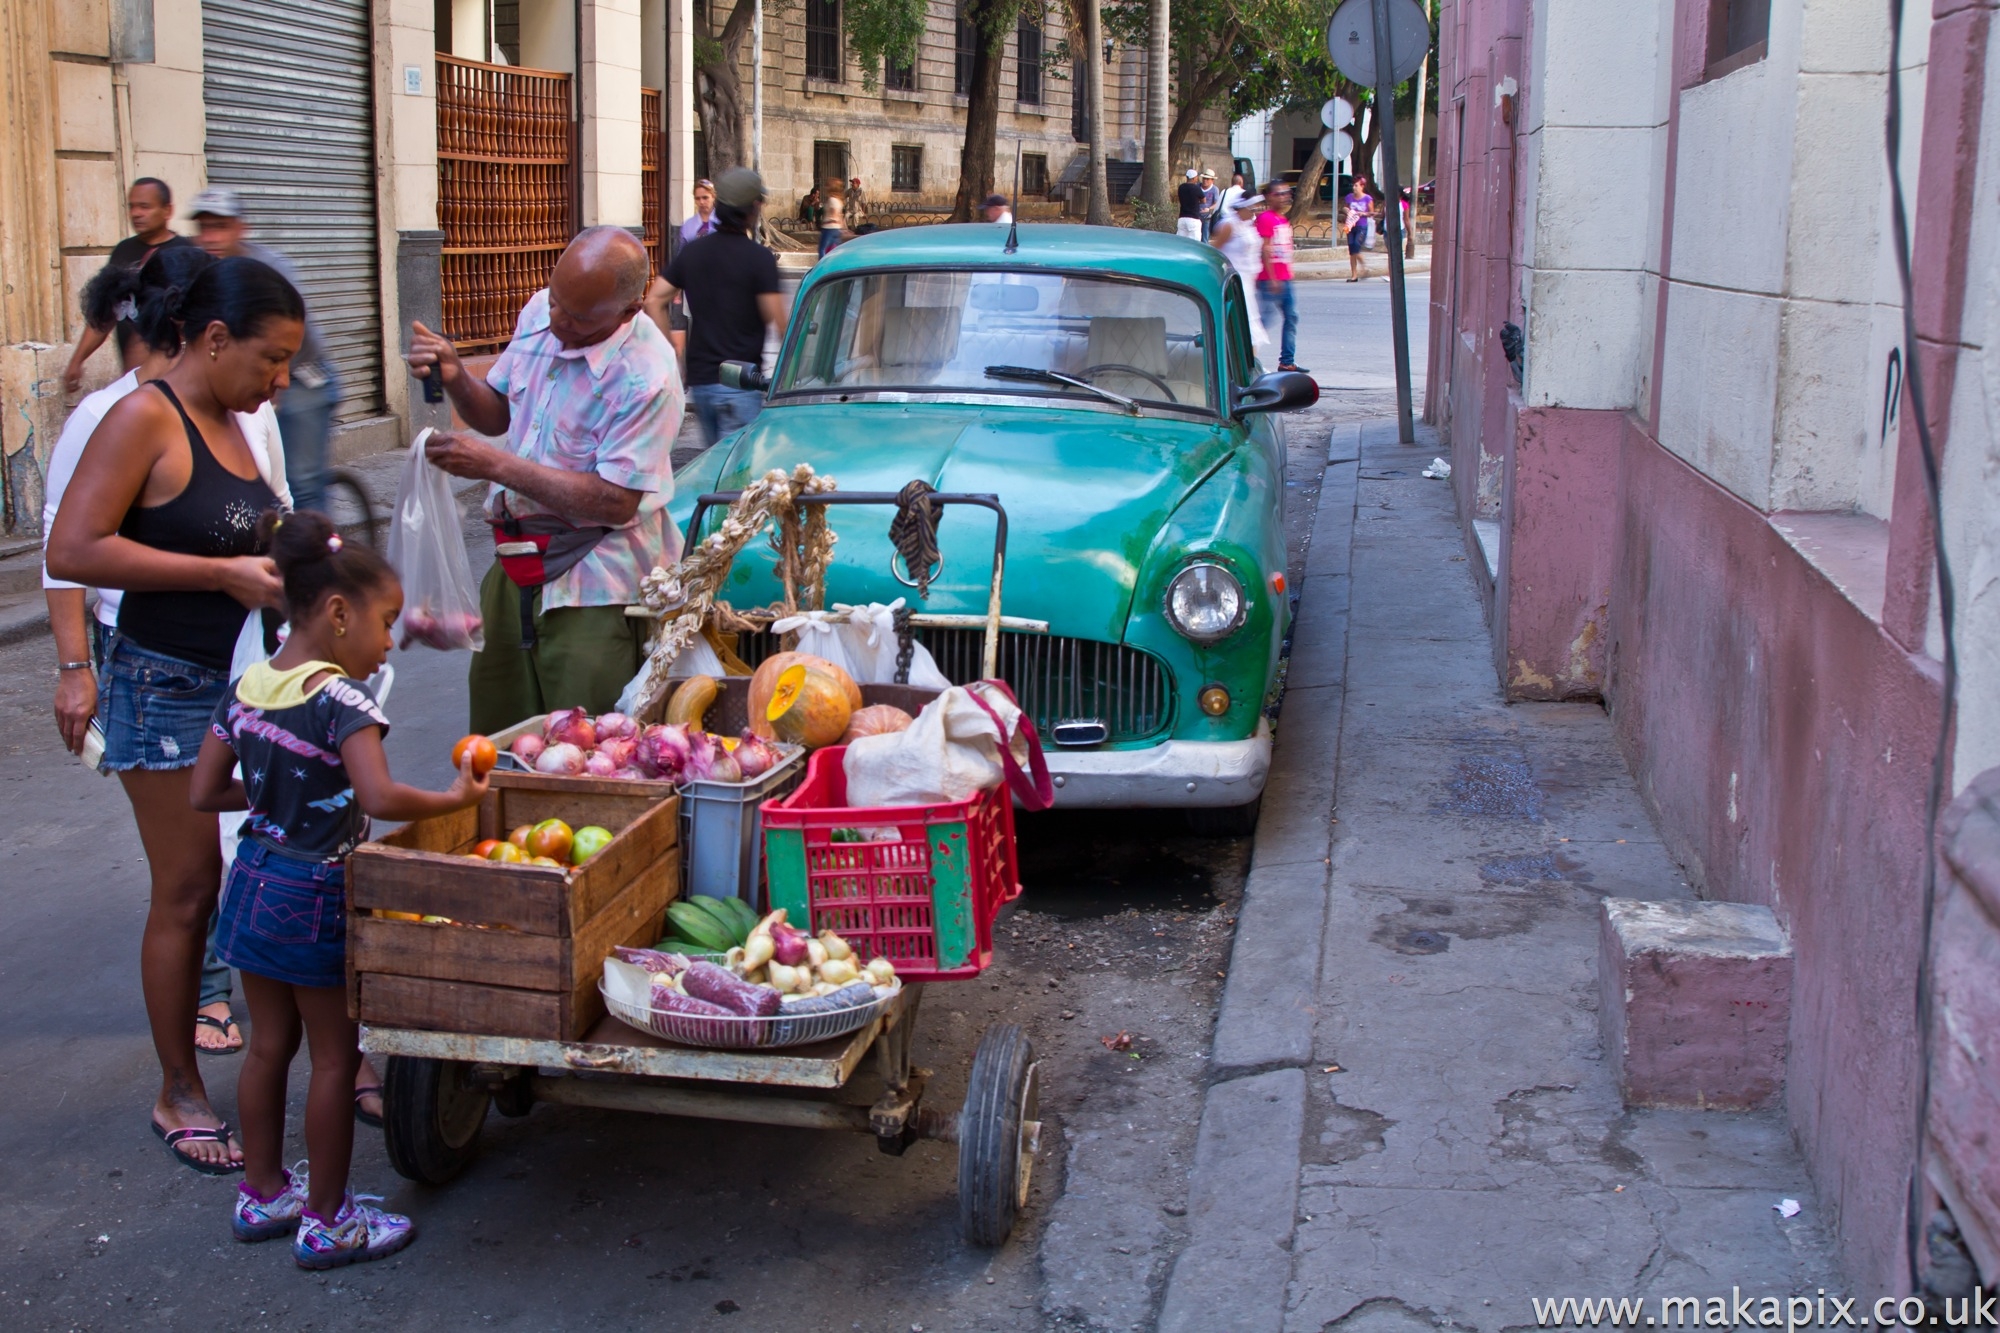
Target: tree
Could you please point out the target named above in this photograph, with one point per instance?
(1098, 212)
(991, 20)
(1159, 160)
(718, 56)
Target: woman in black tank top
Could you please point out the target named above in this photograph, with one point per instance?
(164, 504)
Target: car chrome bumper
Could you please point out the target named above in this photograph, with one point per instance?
(1173, 773)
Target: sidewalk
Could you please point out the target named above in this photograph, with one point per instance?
(1415, 1128)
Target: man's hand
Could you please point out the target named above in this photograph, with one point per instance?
(464, 455)
(76, 704)
(432, 354)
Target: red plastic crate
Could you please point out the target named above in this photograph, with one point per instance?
(926, 902)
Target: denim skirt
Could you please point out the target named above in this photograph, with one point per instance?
(284, 917)
(154, 709)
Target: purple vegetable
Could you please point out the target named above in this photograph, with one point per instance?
(667, 1000)
(755, 756)
(657, 961)
(718, 985)
(847, 997)
(789, 944)
(598, 764)
(663, 751)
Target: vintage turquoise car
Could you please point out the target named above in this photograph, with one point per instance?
(1102, 383)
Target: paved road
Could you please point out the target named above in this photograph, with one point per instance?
(578, 1218)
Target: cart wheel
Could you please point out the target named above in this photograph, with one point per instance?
(431, 1114)
(1225, 821)
(998, 1132)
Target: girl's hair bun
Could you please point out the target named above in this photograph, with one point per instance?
(315, 561)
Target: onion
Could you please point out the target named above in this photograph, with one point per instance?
(528, 747)
(561, 758)
(630, 775)
(755, 756)
(621, 751)
(616, 726)
(570, 726)
(599, 764)
(663, 751)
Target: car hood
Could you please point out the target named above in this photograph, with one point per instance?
(1085, 493)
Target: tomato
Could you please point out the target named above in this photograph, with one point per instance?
(508, 853)
(550, 838)
(519, 835)
(484, 756)
(484, 851)
(545, 861)
(588, 842)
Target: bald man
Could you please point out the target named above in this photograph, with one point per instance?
(589, 400)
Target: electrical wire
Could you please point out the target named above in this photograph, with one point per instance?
(1913, 386)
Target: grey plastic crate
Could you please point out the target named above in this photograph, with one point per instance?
(722, 834)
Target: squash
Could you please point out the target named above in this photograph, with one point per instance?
(765, 681)
(691, 701)
(875, 720)
(808, 707)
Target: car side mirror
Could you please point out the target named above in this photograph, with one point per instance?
(1279, 391)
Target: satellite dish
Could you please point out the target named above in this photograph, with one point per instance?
(1350, 40)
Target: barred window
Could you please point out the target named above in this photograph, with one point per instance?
(968, 42)
(1035, 173)
(906, 167)
(1028, 63)
(899, 78)
(823, 40)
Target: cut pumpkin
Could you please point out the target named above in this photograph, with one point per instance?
(765, 682)
(808, 707)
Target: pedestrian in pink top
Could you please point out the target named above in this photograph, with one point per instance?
(589, 400)
(1274, 279)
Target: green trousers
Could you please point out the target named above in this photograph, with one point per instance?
(583, 657)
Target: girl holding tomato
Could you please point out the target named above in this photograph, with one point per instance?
(308, 735)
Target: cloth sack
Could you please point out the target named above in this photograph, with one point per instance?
(864, 646)
(426, 548)
(967, 740)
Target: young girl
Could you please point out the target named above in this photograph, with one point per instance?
(309, 737)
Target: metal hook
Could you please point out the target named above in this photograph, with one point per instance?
(911, 582)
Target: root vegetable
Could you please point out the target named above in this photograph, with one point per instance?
(598, 764)
(756, 756)
(706, 981)
(816, 953)
(789, 979)
(615, 726)
(835, 946)
(528, 747)
(663, 751)
(667, 1000)
(790, 945)
(561, 758)
(839, 971)
(881, 972)
(571, 726)
(623, 751)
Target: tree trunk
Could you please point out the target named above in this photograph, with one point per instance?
(1308, 187)
(1099, 214)
(1159, 168)
(1198, 92)
(982, 108)
(721, 87)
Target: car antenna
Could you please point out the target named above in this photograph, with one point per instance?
(1014, 214)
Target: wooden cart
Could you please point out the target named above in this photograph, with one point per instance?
(439, 1085)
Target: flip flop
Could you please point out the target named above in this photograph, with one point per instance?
(372, 1090)
(196, 1134)
(221, 1025)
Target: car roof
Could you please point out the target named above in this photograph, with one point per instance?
(1158, 256)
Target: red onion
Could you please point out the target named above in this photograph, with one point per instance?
(621, 751)
(663, 751)
(599, 764)
(630, 775)
(755, 756)
(560, 758)
(528, 747)
(616, 726)
(789, 944)
(570, 726)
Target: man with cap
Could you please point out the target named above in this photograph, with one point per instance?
(734, 302)
(305, 410)
(995, 209)
(1190, 198)
(1211, 200)
(588, 400)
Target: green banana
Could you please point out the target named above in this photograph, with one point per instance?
(746, 919)
(698, 926)
(718, 910)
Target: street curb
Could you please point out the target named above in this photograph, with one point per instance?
(1243, 1192)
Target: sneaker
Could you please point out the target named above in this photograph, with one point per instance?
(266, 1219)
(361, 1232)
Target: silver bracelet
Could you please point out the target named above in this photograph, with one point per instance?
(72, 666)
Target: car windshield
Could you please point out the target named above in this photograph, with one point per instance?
(986, 332)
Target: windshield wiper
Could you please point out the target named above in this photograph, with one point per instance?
(1035, 376)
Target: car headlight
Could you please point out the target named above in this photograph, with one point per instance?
(1205, 603)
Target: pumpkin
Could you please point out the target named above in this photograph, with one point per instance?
(875, 720)
(808, 706)
(691, 701)
(765, 682)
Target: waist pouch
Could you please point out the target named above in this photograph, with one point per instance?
(535, 549)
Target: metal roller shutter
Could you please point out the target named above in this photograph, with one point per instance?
(289, 94)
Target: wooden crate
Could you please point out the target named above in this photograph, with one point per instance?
(528, 966)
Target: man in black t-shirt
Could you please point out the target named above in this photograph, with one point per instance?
(150, 206)
(1189, 197)
(733, 299)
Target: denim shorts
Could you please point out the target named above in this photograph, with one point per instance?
(284, 917)
(154, 709)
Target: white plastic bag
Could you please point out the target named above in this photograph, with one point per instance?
(864, 645)
(699, 658)
(967, 740)
(440, 598)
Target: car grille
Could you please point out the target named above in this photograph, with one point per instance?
(1054, 677)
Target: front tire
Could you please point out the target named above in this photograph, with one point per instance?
(431, 1115)
(999, 1130)
(1225, 821)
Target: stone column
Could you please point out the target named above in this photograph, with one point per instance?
(406, 208)
(679, 108)
(608, 68)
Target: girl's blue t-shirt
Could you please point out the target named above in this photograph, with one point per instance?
(287, 738)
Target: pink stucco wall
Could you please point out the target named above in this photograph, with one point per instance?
(1785, 739)
(1557, 525)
